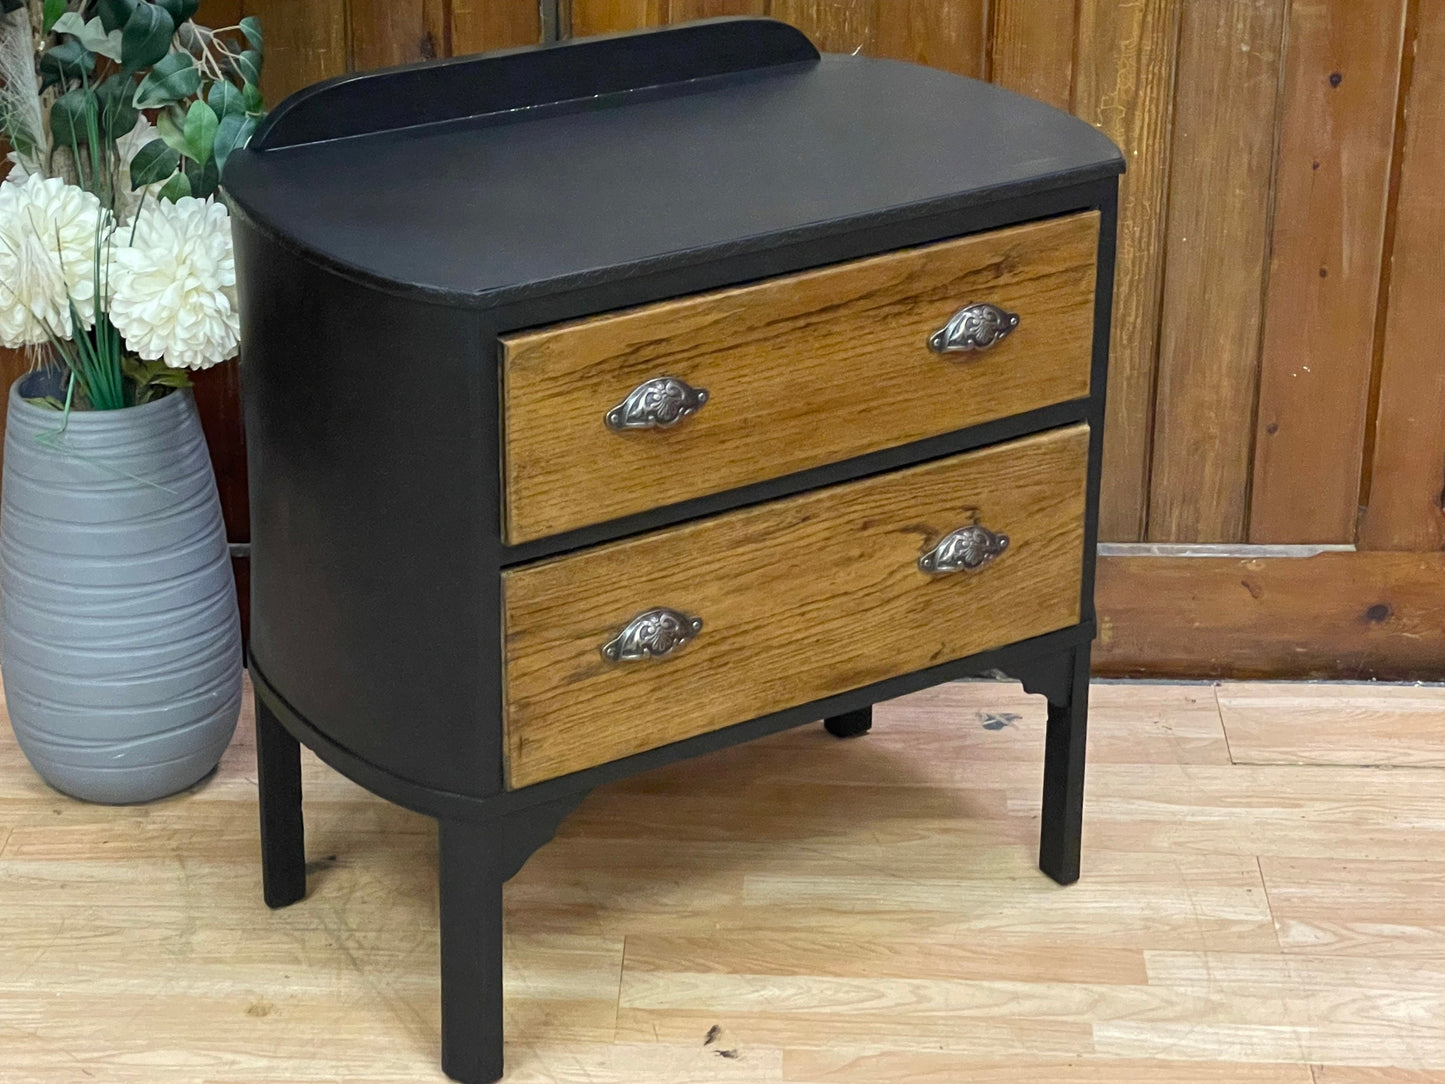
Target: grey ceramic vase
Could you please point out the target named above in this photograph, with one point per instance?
(120, 640)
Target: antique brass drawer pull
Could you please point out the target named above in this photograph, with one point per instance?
(976, 327)
(652, 634)
(967, 549)
(657, 404)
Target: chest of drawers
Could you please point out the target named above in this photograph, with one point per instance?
(613, 402)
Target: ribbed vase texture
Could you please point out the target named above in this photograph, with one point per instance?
(120, 640)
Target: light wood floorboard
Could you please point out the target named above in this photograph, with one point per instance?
(1263, 902)
(1370, 725)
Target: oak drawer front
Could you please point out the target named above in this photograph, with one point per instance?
(797, 372)
(799, 599)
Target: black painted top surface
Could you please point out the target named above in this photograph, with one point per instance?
(519, 202)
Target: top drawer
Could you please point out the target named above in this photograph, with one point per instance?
(789, 373)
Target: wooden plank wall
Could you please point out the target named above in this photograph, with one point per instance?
(1278, 374)
(314, 40)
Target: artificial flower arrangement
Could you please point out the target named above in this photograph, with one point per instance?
(120, 635)
(115, 254)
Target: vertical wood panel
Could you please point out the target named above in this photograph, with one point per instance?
(1331, 196)
(1223, 156)
(950, 34)
(480, 25)
(305, 42)
(836, 26)
(1408, 470)
(218, 398)
(609, 16)
(13, 365)
(386, 32)
(1033, 48)
(612, 16)
(680, 11)
(1124, 85)
(436, 18)
(219, 13)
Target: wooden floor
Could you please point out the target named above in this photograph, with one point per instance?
(1263, 900)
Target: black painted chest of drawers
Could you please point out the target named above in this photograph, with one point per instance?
(612, 402)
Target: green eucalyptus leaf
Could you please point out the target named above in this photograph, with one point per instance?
(175, 188)
(71, 117)
(175, 76)
(117, 115)
(65, 61)
(254, 99)
(147, 36)
(90, 34)
(251, 28)
(248, 66)
(168, 124)
(235, 131)
(205, 178)
(180, 10)
(200, 131)
(52, 11)
(154, 162)
(225, 98)
(114, 14)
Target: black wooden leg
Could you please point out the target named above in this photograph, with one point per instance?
(471, 950)
(283, 835)
(1064, 774)
(850, 724)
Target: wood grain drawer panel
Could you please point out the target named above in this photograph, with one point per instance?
(800, 371)
(801, 598)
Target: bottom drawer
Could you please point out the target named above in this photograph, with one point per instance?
(797, 600)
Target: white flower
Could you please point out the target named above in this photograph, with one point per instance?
(17, 173)
(48, 234)
(173, 284)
